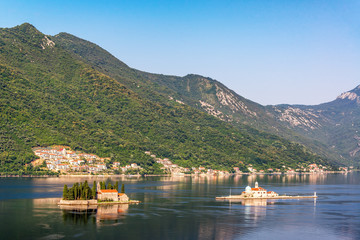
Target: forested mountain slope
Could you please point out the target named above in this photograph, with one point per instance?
(196, 91)
(49, 96)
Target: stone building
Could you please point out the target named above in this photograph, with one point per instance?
(258, 192)
(111, 195)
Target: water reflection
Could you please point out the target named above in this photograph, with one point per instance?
(237, 180)
(248, 202)
(78, 215)
(98, 215)
(185, 208)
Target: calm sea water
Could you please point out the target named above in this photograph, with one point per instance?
(185, 208)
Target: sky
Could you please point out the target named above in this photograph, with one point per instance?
(271, 52)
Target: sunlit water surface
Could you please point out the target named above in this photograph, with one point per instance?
(185, 208)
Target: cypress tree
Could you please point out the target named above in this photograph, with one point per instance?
(116, 186)
(86, 193)
(75, 192)
(65, 192)
(93, 190)
(82, 191)
(78, 189)
(71, 194)
(89, 193)
(109, 186)
(122, 188)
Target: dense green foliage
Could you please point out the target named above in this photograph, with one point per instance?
(192, 89)
(109, 185)
(79, 191)
(48, 96)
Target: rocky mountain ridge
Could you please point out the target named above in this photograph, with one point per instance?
(327, 129)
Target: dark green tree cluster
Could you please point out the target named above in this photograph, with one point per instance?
(109, 185)
(79, 191)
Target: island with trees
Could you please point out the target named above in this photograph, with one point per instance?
(99, 193)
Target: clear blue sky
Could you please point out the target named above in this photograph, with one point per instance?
(272, 52)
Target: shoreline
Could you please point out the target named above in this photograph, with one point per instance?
(92, 202)
(170, 175)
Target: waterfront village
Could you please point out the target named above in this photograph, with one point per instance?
(64, 160)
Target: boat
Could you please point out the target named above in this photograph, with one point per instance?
(261, 193)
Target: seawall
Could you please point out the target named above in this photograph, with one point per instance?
(77, 202)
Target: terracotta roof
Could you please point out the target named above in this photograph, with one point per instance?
(120, 194)
(258, 189)
(108, 190)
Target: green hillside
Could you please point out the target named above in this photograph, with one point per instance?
(49, 96)
(205, 94)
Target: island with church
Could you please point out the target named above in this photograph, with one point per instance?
(99, 194)
(261, 193)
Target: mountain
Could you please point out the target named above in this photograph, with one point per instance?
(202, 93)
(50, 94)
(336, 123)
(328, 129)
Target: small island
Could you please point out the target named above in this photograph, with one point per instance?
(261, 193)
(99, 194)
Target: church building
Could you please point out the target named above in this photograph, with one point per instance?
(111, 195)
(258, 192)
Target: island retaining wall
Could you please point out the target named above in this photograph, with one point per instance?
(77, 202)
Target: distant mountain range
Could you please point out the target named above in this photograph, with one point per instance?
(335, 124)
(328, 129)
(65, 90)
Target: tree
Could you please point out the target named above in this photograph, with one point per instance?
(86, 184)
(65, 192)
(122, 188)
(43, 164)
(71, 194)
(109, 186)
(86, 193)
(76, 195)
(93, 190)
(116, 186)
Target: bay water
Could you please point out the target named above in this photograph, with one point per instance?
(185, 208)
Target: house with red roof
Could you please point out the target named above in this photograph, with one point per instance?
(258, 192)
(111, 195)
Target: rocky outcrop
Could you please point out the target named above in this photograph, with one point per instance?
(46, 42)
(228, 99)
(298, 118)
(351, 96)
(210, 109)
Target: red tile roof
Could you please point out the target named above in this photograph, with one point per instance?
(108, 190)
(258, 189)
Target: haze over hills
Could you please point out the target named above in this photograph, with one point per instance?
(97, 104)
(328, 129)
